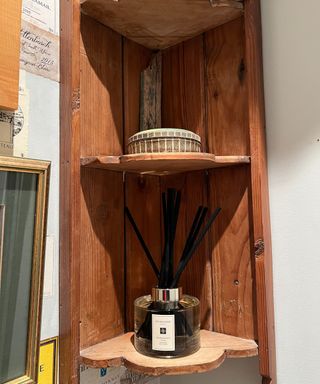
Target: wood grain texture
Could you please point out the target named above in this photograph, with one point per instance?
(102, 197)
(142, 194)
(227, 132)
(183, 97)
(162, 163)
(136, 59)
(102, 256)
(260, 200)
(215, 348)
(70, 192)
(231, 256)
(101, 89)
(160, 24)
(10, 24)
(226, 90)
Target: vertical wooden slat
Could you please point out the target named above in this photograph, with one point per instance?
(259, 182)
(69, 192)
(101, 89)
(184, 107)
(228, 188)
(226, 90)
(102, 234)
(231, 258)
(142, 193)
(183, 97)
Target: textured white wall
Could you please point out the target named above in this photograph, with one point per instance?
(44, 144)
(291, 31)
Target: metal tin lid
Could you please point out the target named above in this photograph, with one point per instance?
(166, 295)
(164, 133)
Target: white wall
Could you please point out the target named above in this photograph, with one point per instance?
(291, 36)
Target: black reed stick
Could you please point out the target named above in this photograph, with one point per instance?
(143, 244)
(195, 228)
(194, 247)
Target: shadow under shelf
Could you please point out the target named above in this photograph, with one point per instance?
(162, 163)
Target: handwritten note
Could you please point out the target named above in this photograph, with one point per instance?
(42, 13)
(39, 52)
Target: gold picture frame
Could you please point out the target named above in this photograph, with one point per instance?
(41, 170)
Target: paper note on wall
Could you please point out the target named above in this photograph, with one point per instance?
(21, 120)
(6, 137)
(39, 51)
(14, 125)
(43, 13)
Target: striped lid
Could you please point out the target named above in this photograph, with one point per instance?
(164, 133)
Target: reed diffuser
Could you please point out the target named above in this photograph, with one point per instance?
(167, 322)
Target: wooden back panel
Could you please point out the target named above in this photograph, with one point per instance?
(102, 197)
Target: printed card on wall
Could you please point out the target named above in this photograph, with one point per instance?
(42, 13)
(21, 120)
(6, 137)
(14, 129)
(39, 51)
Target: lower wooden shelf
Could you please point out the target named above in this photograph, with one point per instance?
(162, 163)
(215, 348)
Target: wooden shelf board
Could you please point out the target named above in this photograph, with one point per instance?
(162, 163)
(160, 24)
(215, 348)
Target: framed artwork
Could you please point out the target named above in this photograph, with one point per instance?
(24, 187)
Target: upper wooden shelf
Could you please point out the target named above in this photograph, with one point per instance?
(160, 24)
(215, 348)
(162, 163)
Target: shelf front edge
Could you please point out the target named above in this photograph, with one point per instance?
(215, 348)
(163, 163)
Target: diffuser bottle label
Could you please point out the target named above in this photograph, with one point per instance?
(163, 333)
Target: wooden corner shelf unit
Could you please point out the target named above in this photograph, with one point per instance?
(212, 85)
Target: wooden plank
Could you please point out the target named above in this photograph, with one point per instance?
(162, 163)
(142, 194)
(183, 99)
(135, 60)
(184, 107)
(160, 24)
(231, 257)
(101, 89)
(215, 348)
(10, 23)
(70, 192)
(260, 202)
(226, 90)
(228, 132)
(102, 198)
(102, 256)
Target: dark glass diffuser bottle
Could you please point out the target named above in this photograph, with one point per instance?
(167, 324)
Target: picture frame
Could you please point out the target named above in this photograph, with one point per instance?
(24, 186)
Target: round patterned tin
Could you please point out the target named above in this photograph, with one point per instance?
(164, 140)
